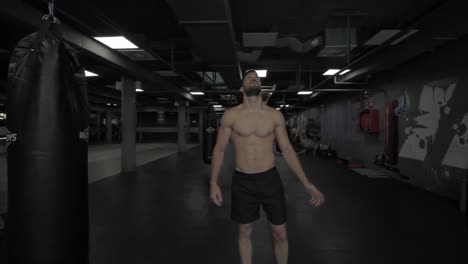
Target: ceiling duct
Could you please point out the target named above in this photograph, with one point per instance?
(259, 39)
(292, 43)
(249, 57)
(297, 46)
(210, 28)
(336, 42)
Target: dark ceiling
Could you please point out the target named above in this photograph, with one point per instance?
(191, 37)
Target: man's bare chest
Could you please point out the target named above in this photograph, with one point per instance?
(260, 126)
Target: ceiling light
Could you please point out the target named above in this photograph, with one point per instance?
(138, 90)
(109, 104)
(304, 92)
(115, 104)
(217, 106)
(331, 72)
(261, 73)
(118, 42)
(90, 74)
(278, 108)
(345, 71)
(197, 93)
(287, 105)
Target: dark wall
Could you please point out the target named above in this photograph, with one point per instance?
(433, 136)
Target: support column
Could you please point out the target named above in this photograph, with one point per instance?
(187, 128)
(181, 126)
(200, 127)
(108, 127)
(128, 124)
(98, 127)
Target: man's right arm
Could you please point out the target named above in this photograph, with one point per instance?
(224, 133)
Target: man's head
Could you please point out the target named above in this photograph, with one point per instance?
(251, 84)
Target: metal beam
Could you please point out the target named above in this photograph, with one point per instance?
(212, 33)
(20, 11)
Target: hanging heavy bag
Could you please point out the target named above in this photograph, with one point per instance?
(47, 153)
(210, 132)
(391, 133)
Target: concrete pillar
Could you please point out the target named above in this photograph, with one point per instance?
(200, 127)
(181, 126)
(128, 124)
(187, 128)
(108, 127)
(98, 127)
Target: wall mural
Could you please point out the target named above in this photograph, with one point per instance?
(436, 129)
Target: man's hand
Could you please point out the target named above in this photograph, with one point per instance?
(317, 198)
(215, 194)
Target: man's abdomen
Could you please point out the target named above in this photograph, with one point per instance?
(254, 158)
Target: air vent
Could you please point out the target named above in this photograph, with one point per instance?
(259, 39)
(138, 54)
(336, 42)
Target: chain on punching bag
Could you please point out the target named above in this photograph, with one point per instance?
(210, 131)
(47, 152)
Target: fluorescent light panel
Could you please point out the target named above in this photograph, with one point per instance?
(345, 71)
(117, 42)
(138, 90)
(331, 72)
(197, 93)
(217, 106)
(304, 92)
(90, 74)
(261, 73)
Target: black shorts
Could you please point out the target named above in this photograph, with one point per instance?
(250, 190)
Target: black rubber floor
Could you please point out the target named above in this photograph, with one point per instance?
(162, 214)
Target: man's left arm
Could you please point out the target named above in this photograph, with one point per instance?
(287, 150)
(290, 156)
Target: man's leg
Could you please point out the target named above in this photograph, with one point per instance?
(281, 243)
(245, 243)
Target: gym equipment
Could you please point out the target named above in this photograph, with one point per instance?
(369, 121)
(210, 132)
(391, 134)
(47, 153)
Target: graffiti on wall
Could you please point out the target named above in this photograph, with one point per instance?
(428, 133)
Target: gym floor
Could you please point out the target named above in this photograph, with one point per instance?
(162, 214)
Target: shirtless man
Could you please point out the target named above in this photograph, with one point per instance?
(253, 127)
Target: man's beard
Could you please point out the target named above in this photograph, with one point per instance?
(253, 91)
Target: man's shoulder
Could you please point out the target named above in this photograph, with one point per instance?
(230, 114)
(272, 112)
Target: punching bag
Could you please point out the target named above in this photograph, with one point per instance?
(391, 133)
(47, 152)
(210, 132)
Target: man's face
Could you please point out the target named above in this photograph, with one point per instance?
(251, 84)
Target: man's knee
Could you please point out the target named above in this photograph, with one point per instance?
(245, 230)
(279, 233)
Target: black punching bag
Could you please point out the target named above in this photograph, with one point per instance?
(47, 152)
(210, 132)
